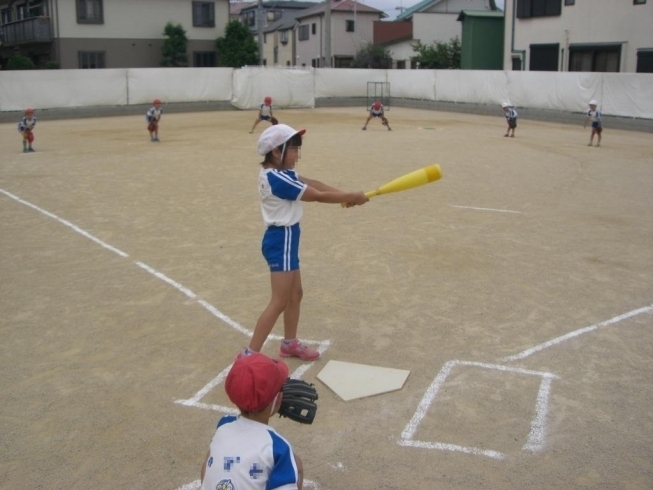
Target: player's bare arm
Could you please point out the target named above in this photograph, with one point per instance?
(316, 184)
(311, 194)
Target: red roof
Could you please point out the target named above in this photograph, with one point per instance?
(385, 32)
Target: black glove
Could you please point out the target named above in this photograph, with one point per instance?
(298, 402)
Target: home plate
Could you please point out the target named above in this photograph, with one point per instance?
(350, 381)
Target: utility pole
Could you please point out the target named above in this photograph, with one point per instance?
(259, 28)
(327, 33)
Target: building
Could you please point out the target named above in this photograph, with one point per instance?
(271, 11)
(482, 40)
(431, 21)
(108, 33)
(579, 35)
(280, 42)
(351, 27)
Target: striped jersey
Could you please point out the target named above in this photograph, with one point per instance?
(280, 192)
(248, 455)
(595, 116)
(26, 124)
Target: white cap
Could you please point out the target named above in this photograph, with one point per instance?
(593, 102)
(505, 104)
(275, 136)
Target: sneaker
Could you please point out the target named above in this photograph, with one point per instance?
(30, 149)
(251, 131)
(298, 349)
(589, 144)
(389, 128)
(25, 150)
(156, 140)
(363, 128)
(505, 135)
(512, 135)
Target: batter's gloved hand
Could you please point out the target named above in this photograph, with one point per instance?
(298, 402)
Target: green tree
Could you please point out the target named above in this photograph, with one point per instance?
(372, 56)
(174, 46)
(438, 55)
(237, 48)
(20, 62)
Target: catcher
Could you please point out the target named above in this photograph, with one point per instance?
(377, 110)
(245, 451)
(26, 128)
(153, 117)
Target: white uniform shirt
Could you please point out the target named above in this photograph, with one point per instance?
(154, 114)
(595, 116)
(249, 455)
(511, 114)
(280, 192)
(266, 110)
(26, 124)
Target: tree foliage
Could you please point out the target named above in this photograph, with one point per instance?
(237, 48)
(20, 62)
(372, 56)
(174, 46)
(438, 55)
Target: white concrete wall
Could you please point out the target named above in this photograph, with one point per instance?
(348, 43)
(586, 22)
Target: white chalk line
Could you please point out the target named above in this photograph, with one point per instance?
(486, 209)
(538, 429)
(323, 344)
(576, 333)
(159, 275)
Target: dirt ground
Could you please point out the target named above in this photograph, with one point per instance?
(130, 274)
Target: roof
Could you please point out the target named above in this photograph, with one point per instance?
(287, 21)
(280, 5)
(234, 8)
(426, 4)
(479, 14)
(340, 6)
(392, 32)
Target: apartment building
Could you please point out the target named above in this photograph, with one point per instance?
(108, 33)
(579, 35)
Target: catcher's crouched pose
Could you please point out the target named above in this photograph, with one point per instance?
(245, 452)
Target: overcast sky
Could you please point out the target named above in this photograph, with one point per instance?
(392, 7)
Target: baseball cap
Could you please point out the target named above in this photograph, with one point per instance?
(29, 110)
(275, 136)
(505, 104)
(377, 105)
(254, 380)
(593, 102)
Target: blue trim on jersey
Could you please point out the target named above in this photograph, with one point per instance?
(280, 247)
(283, 472)
(285, 184)
(227, 419)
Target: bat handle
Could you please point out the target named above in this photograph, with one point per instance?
(369, 194)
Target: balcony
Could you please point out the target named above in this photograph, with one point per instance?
(34, 30)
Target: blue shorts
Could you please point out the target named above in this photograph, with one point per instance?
(265, 118)
(281, 248)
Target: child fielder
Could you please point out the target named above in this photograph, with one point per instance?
(264, 113)
(26, 128)
(594, 115)
(511, 119)
(153, 117)
(282, 191)
(377, 110)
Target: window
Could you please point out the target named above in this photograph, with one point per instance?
(90, 12)
(91, 59)
(204, 59)
(276, 55)
(6, 16)
(313, 28)
(538, 8)
(351, 26)
(645, 61)
(303, 33)
(544, 57)
(265, 38)
(639, 2)
(283, 37)
(250, 19)
(598, 58)
(203, 14)
(570, 2)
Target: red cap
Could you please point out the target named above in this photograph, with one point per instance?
(254, 380)
(268, 100)
(156, 101)
(29, 111)
(377, 105)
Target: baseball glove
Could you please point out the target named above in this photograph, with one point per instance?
(274, 120)
(298, 402)
(384, 121)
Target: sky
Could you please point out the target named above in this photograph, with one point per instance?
(392, 7)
